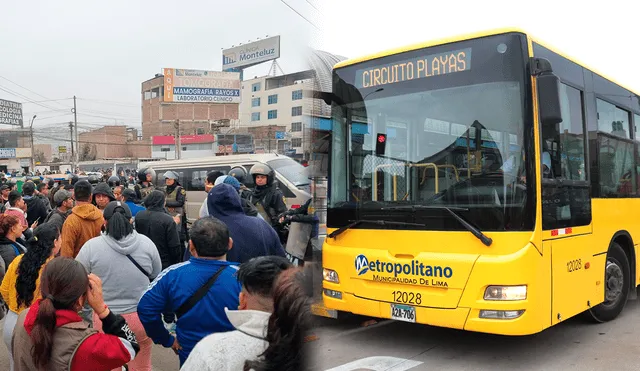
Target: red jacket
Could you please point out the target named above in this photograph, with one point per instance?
(99, 351)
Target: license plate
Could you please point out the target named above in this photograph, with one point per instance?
(403, 313)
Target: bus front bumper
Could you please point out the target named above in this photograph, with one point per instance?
(457, 318)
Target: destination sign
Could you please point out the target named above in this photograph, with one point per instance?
(415, 68)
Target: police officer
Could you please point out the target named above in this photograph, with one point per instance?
(240, 173)
(94, 180)
(113, 181)
(176, 200)
(266, 196)
(145, 185)
(72, 179)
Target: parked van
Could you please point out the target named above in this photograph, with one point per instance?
(293, 178)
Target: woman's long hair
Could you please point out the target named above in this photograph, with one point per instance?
(39, 250)
(64, 281)
(288, 325)
(118, 226)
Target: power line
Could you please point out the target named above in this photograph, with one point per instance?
(27, 89)
(48, 100)
(87, 142)
(313, 6)
(301, 16)
(111, 102)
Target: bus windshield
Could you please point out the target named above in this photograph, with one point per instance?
(292, 170)
(441, 127)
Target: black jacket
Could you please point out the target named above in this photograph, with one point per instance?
(57, 218)
(8, 250)
(159, 226)
(36, 210)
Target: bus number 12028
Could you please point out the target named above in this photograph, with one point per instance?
(407, 297)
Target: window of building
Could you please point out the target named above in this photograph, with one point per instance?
(273, 99)
(255, 116)
(255, 102)
(296, 126)
(255, 87)
(199, 131)
(296, 95)
(565, 189)
(296, 111)
(273, 114)
(165, 149)
(296, 142)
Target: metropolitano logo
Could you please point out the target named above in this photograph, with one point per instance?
(362, 264)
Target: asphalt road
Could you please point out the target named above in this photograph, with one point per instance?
(345, 345)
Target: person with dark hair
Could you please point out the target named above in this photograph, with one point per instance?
(197, 291)
(36, 210)
(102, 195)
(126, 261)
(129, 197)
(11, 245)
(51, 336)
(20, 285)
(247, 206)
(84, 223)
(288, 325)
(42, 193)
(253, 236)
(4, 196)
(117, 192)
(209, 183)
(229, 350)
(64, 205)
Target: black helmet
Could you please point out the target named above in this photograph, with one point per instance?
(72, 178)
(239, 172)
(142, 174)
(263, 169)
(93, 179)
(113, 181)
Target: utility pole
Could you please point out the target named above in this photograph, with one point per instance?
(178, 151)
(73, 155)
(75, 121)
(33, 154)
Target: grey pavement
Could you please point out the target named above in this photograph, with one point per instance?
(397, 346)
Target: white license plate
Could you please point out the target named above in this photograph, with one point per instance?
(403, 313)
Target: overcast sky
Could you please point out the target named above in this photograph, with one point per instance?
(105, 50)
(603, 35)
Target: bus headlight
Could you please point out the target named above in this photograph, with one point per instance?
(330, 275)
(501, 314)
(506, 293)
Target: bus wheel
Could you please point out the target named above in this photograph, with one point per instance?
(616, 289)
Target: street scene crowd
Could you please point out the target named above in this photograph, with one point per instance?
(95, 271)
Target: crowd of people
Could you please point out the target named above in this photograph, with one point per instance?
(94, 272)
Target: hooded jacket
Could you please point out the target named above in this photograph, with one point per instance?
(228, 351)
(160, 227)
(252, 237)
(83, 224)
(9, 250)
(103, 189)
(76, 346)
(122, 282)
(36, 209)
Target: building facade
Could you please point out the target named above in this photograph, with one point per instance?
(110, 142)
(160, 118)
(277, 102)
(15, 150)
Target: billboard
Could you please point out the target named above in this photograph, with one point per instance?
(10, 113)
(251, 54)
(197, 86)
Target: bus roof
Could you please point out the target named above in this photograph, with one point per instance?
(470, 36)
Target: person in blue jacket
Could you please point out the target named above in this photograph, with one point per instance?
(209, 245)
(129, 197)
(252, 237)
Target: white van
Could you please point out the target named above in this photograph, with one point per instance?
(293, 178)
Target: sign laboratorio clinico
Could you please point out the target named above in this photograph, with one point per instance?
(198, 86)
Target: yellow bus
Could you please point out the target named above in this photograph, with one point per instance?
(485, 183)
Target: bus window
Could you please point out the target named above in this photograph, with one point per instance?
(565, 189)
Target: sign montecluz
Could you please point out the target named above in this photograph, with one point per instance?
(251, 54)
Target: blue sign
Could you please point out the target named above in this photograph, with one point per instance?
(279, 134)
(7, 153)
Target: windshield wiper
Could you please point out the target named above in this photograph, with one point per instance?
(474, 231)
(354, 223)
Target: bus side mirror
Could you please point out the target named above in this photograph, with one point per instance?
(548, 91)
(549, 99)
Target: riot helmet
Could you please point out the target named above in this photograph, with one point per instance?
(113, 181)
(72, 179)
(263, 169)
(239, 172)
(93, 179)
(171, 175)
(143, 172)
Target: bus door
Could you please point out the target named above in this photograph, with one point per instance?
(566, 212)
